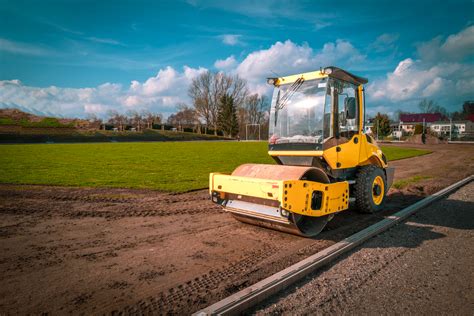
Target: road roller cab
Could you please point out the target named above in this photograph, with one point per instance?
(324, 160)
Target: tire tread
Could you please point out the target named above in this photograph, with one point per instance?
(362, 195)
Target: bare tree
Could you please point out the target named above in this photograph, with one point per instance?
(237, 90)
(147, 118)
(253, 111)
(256, 107)
(430, 106)
(94, 121)
(112, 115)
(137, 120)
(150, 119)
(130, 118)
(122, 121)
(200, 93)
(185, 117)
(117, 120)
(207, 89)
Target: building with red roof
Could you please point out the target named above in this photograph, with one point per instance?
(421, 117)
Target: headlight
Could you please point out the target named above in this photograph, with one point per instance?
(271, 81)
(328, 71)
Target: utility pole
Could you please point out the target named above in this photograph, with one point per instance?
(450, 128)
(423, 137)
(399, 131)
(377, 130)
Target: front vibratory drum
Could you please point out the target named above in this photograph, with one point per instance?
(267, 213)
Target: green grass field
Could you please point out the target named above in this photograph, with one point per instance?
(169, 166)
(397, 153)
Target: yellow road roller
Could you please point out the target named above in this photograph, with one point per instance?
(324, 160)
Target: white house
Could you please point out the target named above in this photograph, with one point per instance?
(455, 128)
(408, 121)
(397, 131)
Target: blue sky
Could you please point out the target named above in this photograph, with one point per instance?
(72, 58)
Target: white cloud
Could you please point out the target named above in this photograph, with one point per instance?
(436, 87)
(265, 10)
(168, 81)
(411, 80)
(109, 41)
(93, 108)
(226, 64)
(321, 25)
(387, 38)
(385, 42)
(340, 51)
(160, 93)
(455, 48)
(22, 48)
(437, 74)
(161, 82)
(191, 73)
(169, 86)
(385, 109)
(288, 58)
(280, 57)
(231, 39)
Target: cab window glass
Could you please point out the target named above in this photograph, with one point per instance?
(348, 111)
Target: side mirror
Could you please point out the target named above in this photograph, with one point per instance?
(350, 106)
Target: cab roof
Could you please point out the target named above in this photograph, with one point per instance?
(341, 74)
(331, 72)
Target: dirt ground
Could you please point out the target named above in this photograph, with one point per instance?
(138, 251)
(421, 267)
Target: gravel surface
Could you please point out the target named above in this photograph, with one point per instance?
(423, 266)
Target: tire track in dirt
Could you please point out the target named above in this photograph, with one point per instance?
(34, 203)
(127, 212)
(217, 284)
(200, 291)
(186, 297)
(99, 195)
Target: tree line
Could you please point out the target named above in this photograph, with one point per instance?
(431, 106)
(221, 104)
(136, 119)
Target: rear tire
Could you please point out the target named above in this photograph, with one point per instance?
(370, 189)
